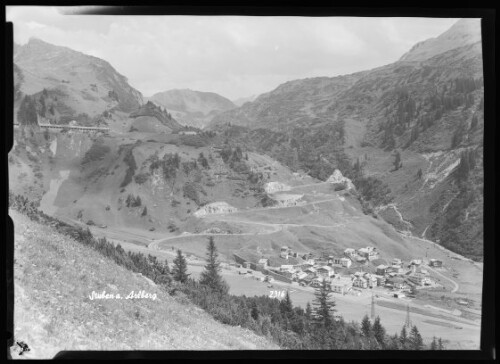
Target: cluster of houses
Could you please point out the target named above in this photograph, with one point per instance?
(312, 272)
(362, 255)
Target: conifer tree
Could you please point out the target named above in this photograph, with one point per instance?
(394, 343)
(403, 338)
(179, 271)
(416, 341)
(324, 306)
(254, 312)
(379, 331)
(286, 306)
(366, 326)
(434, 344)
(211, 276)
(440, 345)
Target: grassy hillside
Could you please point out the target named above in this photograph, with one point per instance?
(426, 107)
(82, 84)
(54, 276)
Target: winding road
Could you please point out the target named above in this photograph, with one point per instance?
(277, 226)
(455, 284)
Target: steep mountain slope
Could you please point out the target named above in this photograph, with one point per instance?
(430, 101)
(98, 178)
(53, 279)
(74, 84)
(192, 108)
(294, 103)
(464, 32)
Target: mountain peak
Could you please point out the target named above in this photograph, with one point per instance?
(463, 32)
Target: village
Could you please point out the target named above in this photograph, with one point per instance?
(347, 274)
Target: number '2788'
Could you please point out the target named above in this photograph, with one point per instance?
(276, 294)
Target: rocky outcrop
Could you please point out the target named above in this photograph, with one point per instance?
(338, 178)
(215, 208)
(272, 187)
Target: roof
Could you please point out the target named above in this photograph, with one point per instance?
(326, 267)
(382, 266)
(396, 280)
(340, 281)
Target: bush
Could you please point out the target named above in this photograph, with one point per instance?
(141, 178)
(190, 191)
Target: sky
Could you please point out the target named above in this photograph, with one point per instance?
(234, 56)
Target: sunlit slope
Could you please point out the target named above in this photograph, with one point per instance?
(54, 276)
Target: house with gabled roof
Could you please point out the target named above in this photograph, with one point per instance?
(325, 271)
(360, 282)
(341, 284)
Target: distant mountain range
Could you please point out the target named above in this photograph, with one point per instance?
(192, 108)
(242, 100)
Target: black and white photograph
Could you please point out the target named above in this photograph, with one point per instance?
(232, 182)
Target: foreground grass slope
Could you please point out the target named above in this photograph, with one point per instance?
(54, 276)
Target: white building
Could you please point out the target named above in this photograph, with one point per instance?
(341, 284)
(344, 262)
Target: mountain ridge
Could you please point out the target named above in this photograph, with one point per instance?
(427, 102)
(190, 107)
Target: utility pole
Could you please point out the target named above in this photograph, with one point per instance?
(373, 307)
(408, 320)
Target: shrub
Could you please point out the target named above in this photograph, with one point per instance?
(190, 191)
(141, 178)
